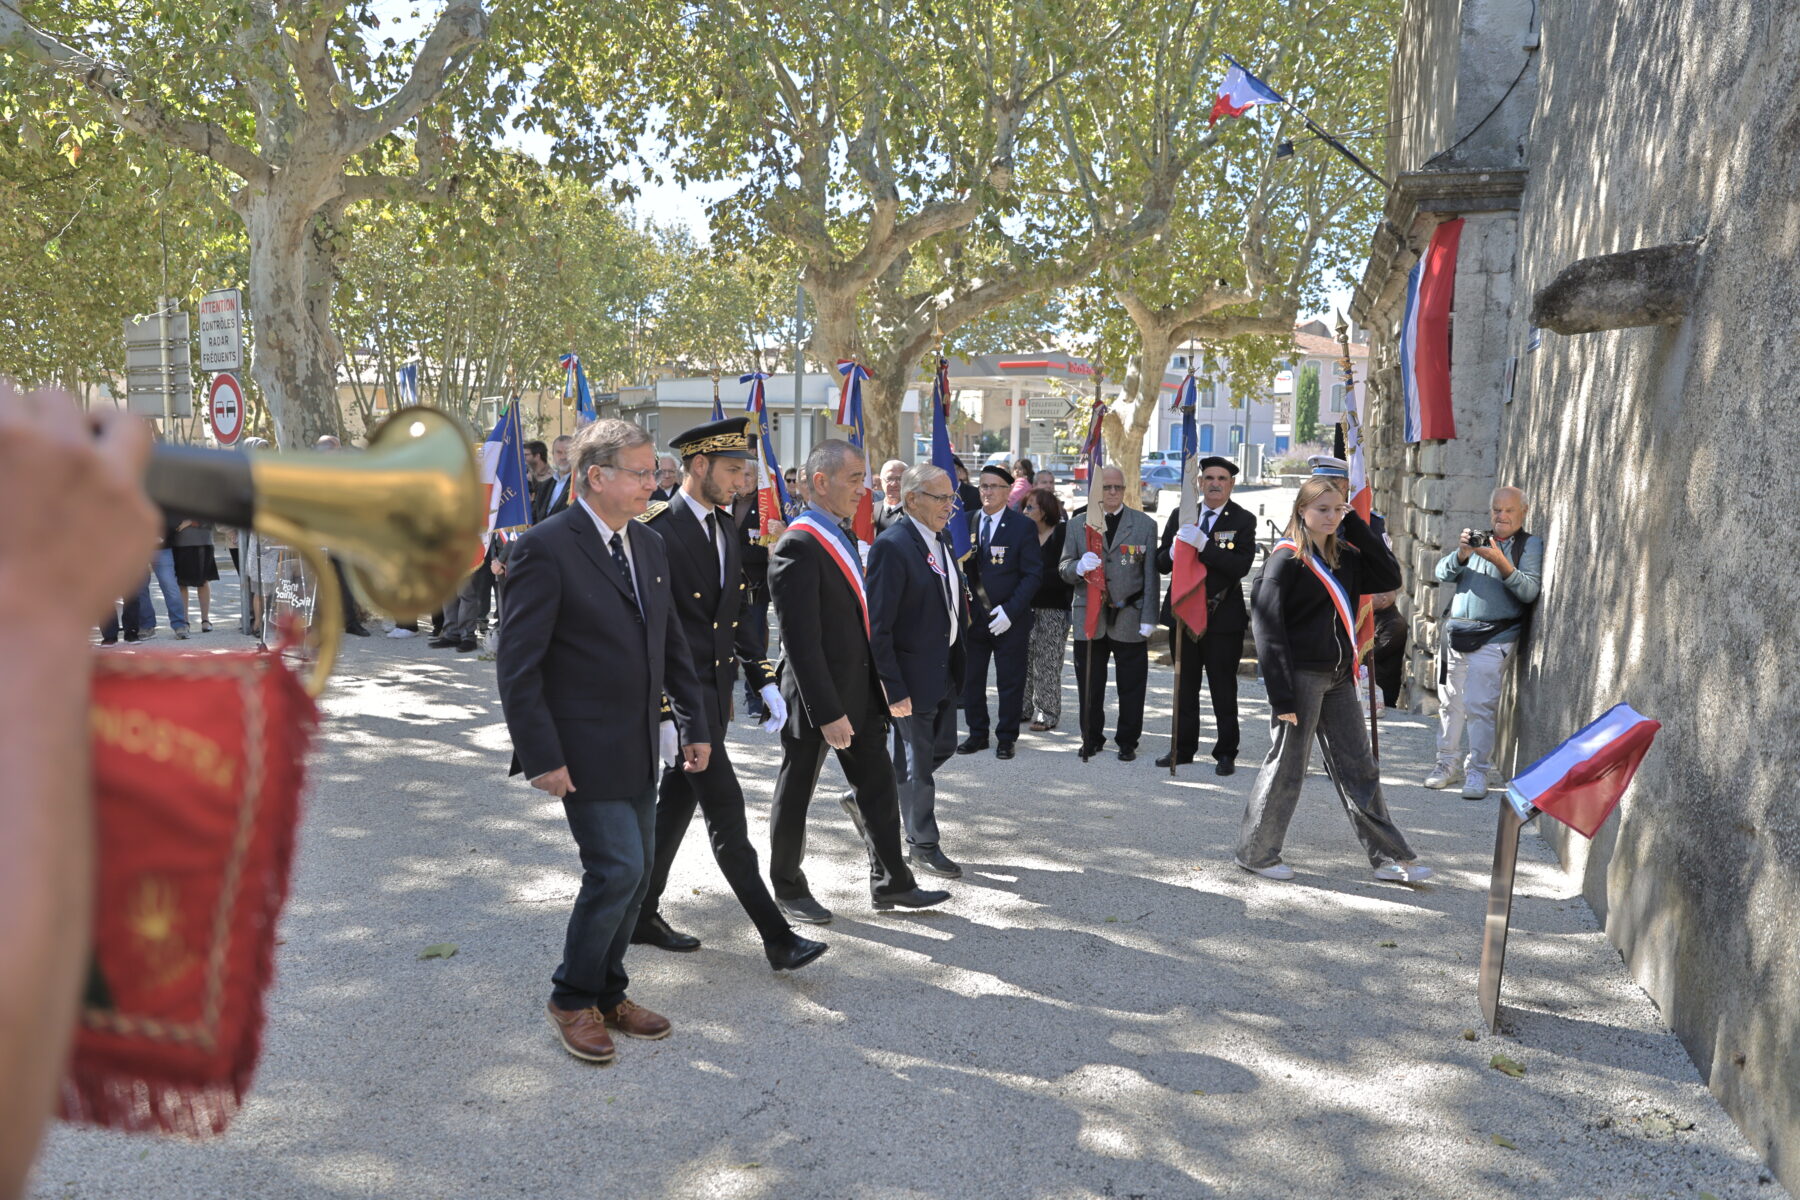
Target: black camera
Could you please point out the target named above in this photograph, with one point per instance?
(1481, 537)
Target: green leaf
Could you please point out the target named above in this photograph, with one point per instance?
(438, 950)
(1506, 1066)
(1388, 945)
(1505, 1143)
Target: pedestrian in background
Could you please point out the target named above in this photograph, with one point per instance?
(1390, 647)
(1303, 610)
(1498, 576)
(1024, 479)
(1049, 613)
(196, 566)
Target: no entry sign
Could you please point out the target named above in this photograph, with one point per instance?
(225, 400)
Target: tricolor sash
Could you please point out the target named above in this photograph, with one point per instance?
(1340, 599)
(808, 524)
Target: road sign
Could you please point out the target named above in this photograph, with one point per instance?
(156, 365)
(1048, 408)
(225, 401)
(222, 330)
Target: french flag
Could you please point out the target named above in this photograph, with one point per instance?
(1581, 781)
(1425, 338)
(850, 416)
(1240, 92)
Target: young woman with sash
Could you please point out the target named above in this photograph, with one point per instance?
(1303, 610)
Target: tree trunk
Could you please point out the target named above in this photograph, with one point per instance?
(1143, 385)
(290, 301)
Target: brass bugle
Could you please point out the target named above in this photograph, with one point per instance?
(405, 516)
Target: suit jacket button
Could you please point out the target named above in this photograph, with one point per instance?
(734, 624)
(696, 595)
(715, 624)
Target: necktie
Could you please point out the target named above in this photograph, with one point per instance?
(618, 552)
(1206, 523)
(987, 530)
(712, 535)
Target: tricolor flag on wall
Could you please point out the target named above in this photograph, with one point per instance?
(1580, 782)
(1425, 338)
(1239, 92)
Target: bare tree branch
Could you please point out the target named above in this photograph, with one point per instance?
(462, 27)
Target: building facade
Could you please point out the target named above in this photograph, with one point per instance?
(1622, 348)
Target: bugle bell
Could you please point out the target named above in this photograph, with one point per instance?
(405, 516)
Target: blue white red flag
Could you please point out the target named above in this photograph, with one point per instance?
(408, 379)
(575, 385)
(772, 500)
(1239, 92)
(944, 458)
(1187, 581)
(1581, 781)
(503, 473)
(850, 415)
(718, 413)
(1093, 450)
(1425, 338)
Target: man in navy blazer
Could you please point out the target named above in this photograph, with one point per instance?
(588, 648)
(1004, 567)
(917, 619)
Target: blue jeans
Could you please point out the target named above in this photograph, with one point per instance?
(617, 840)
(162, 569)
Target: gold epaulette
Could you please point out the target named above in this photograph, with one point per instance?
(668, 712)
(655, 510)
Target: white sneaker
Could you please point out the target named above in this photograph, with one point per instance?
(1280, 871)
(1439, 778)
(1475, 786)
(397, 632)
(1393, 872)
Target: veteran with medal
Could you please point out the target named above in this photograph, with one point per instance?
(706, 573)
(1123, 632)
(1004, 566)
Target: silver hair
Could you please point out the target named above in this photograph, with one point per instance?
(827, 457)
(892, 462)
(599, 443)
(918, 478)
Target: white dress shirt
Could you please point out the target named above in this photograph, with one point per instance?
(950, 582)
(606, 537)
(701, 512)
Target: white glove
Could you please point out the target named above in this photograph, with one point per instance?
(1191, 535)
(771, 698)
(1088, 562)
(862, 550)
(671, 751)
(1145, 631)
(999, 623)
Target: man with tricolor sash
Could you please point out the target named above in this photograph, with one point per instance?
(834, 694)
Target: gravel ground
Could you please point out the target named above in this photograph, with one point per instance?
(1106, 1008)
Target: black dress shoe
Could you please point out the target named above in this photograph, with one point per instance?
(971, 744)
(1005, 750)
(1088, 750)
(654, 931)
(1227, 766)
(466, 645)
(1170, 759)
(441, 643)
(912, 898)
(793, 953)
(805, 910)
(356, 631)
(932, 861)
(1127, 755)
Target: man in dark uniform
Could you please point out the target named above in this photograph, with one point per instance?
(706, 572)
(1225, 535)
(589, 646)
(834, 695)
(1004, 566)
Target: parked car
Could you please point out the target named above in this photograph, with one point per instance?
(1153, 480)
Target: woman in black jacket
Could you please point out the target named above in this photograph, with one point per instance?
(1303, 611)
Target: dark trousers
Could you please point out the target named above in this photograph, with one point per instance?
(1390, 654)
(1133, 660)
(756, 619)
(352, 614)
(617, 843)
(720, 798)
(133, 620)
(1011, 653)
(870, 771)
(923, 742)
(1215, 656)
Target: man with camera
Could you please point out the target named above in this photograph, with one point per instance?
(1497, 573)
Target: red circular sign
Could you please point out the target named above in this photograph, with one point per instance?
(225, 400)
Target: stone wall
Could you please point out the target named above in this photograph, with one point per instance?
(1649, 455)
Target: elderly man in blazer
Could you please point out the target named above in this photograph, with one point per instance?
(588, 647)
(1224, 536)
(834, 697)
(917, 633)
(1004, 566)
(1129, 565)
(706, 570)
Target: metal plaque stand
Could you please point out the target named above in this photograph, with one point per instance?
(1499, 911)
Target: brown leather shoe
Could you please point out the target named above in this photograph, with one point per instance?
(583, 1033)
(635, 1021)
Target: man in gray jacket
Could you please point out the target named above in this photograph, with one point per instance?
(1498, 574)
(1128, 560)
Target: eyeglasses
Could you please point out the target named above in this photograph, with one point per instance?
(992, 487)
(1112, 487)
(641, 476)
(939, 497)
